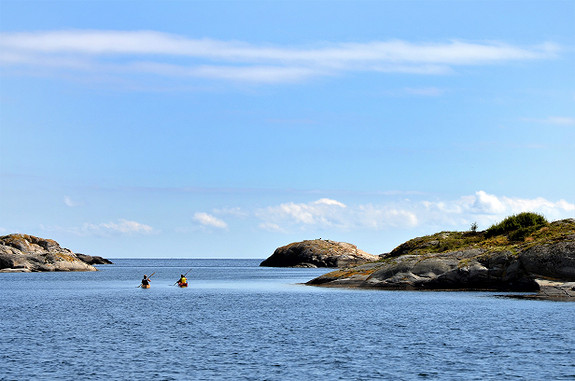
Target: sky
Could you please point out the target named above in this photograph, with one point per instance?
(226, 129)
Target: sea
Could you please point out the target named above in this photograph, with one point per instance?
(239, 321)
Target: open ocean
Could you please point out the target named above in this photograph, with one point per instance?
(238, 321)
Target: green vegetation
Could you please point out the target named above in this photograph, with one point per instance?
(478, 246)
(518, 226)
(513, 234)
(473, 227)
(439, 243)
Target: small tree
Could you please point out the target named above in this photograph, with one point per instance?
(473, 227)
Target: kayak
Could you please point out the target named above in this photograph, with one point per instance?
(182, 284)
(145, 286)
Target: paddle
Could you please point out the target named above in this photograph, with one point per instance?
(140, 285)
(184, 276)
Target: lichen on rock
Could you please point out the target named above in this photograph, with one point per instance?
(28, 253)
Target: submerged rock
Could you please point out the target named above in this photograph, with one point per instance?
(318, 253)
(27, 253)
(469, 261)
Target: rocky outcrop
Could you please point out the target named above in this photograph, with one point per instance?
(550, 261)
(318, 253)
(467, 269)
(470, 261)
(27, 253)
(93, 260)
(550, 290)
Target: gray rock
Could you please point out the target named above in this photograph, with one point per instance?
(551, 290)
(318, 253)
(555, 261)
(93, 260)
(482, 265)
(27, 253)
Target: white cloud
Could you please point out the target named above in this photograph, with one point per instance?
(152, 52)
(481, 207)
(329, 202)
(256, 74)
(106, 42)
(122, 226)
(271, 227)
(487, 203)
(208, 220)
(324, 212)
(564, 205)
(382, 216)
(509, 205)
(487, 209)
(563, 121)
(235, 211)
(328, 213)
(71, 203)
(555, 120)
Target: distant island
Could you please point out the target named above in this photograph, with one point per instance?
(318, 253)
(523, 253)
(27, 253)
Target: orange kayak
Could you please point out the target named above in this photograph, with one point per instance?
(145, 286)
(182, 284)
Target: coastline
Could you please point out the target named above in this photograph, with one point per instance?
(548, 290)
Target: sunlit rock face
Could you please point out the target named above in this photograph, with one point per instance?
(27, 253)
(318, 253)
(469, 261)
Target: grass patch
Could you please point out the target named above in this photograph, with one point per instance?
(513, 233)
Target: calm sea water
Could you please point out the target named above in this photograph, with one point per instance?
(238, 321)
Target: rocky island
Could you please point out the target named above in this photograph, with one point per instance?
(27, 253)
(522, 253)
(318, 253)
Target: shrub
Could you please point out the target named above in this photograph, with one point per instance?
(473, 227)
(518, 226)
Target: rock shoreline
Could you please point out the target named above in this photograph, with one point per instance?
(542, 263)
(550, 290)
(27, 253)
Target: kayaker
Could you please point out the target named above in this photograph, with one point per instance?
(146, 281)
(183, 281)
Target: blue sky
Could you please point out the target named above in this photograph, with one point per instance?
(214, 129)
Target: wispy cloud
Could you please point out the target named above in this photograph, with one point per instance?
(416, 92)
(206, 219)
(554, 120)
(425, 91)
(71, 202)
(153, 52)
(122, 226)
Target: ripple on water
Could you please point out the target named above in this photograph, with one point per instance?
(251, 324)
